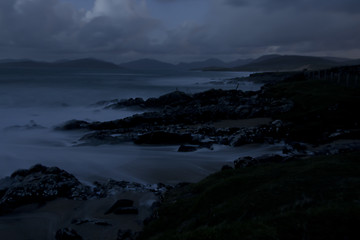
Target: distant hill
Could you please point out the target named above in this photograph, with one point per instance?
(352, 62)
(25, 64)
(148, 65)
(286, 63)
(86, 63)
(239, 62)
(211, 62)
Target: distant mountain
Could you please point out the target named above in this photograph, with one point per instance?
(86, 63)
(211, 62)
(352, 62)
(239, 62)
(25, 64)
(337, 59)
(265, 58)
(286, 63)
(148, 65)
(9, 60)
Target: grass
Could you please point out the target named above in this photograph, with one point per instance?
(314, 198)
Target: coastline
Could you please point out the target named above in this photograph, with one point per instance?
(271, 116)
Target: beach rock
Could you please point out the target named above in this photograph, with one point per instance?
(248, 161)
(112, 187)
(95, 221)
(37, 185)
(73, 125)
(67, 234)
(123, 206)
(102, 137)
(161, 137)
(171, 99)
(126, 235)
(226, 167)
(186, 148)
(126, 103)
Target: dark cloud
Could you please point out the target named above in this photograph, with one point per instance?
(348, 6)
(119, 29)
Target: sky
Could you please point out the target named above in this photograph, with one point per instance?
(177, 30)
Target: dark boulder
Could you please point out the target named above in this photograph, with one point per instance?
(67, 234)
(73, 125)
(102, 137)
(161, 137)
(248, 161)
(186, 148)
(123, 206)
(175, 98)
(127, 235)
(37, 185)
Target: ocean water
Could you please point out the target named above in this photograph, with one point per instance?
(33, 102)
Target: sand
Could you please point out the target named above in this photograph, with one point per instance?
(37, 223)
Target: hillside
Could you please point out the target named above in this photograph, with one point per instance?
(314, 198)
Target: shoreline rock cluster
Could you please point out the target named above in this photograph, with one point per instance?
(40, 184)
(182, 119)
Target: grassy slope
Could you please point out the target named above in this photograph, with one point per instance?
(319, 107)
(316, 198)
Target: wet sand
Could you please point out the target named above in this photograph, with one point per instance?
(37, 223)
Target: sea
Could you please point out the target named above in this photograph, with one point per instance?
(34, 101)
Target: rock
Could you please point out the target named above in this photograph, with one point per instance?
(126, 210)
(126, 235)
(161, 137)
(102, 137)
(226, 167)
(90, 220)
(123, 206)
(111, 187)
(67, 234)
(73, 125)
(244, 162)
(37, 185)
(186, 148)
(277, 123)
(126, 103)
(248, 161)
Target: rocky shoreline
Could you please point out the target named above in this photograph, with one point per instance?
(279, 112)
(32, 190)
(179, 118)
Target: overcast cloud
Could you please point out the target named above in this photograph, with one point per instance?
(175, 30)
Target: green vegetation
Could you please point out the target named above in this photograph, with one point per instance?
(313, 198)
(321, 108)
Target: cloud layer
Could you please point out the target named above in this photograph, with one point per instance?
(125, 29)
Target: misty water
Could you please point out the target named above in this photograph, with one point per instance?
(33, 102)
